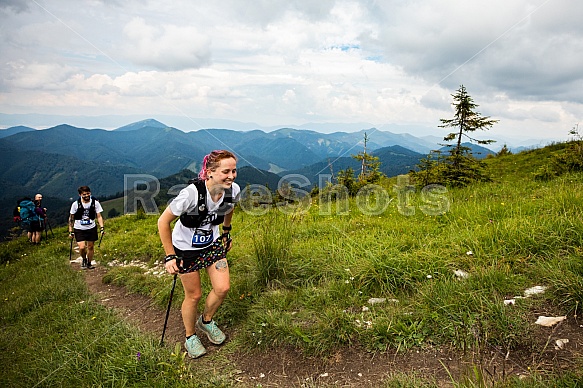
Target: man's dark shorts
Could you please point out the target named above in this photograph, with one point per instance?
(86, 235)
(37, 226)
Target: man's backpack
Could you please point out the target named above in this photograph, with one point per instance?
(27, 212)
(81, 210)
(196, 218)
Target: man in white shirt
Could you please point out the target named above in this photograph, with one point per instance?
(83, 214)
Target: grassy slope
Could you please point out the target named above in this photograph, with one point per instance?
(303, 279)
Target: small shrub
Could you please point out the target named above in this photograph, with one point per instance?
(545, 173)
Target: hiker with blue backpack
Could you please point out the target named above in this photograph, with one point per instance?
(82, 226)
(196, 243)
(31, 219)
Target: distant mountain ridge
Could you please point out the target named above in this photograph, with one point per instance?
(55, 175)
(14, 130)
(148, 123)
(101, 157)
(152, 146)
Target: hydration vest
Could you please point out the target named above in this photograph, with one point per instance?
(81, 210)
(196, 218)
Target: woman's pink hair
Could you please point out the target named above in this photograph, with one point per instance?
(212, 161)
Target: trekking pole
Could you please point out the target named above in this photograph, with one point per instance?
(50, 227)
(71, 250)
(168, 309)
(101, 238)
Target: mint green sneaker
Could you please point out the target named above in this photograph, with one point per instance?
(212, 331)
(194, 347)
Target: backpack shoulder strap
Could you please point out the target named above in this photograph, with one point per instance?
(81, 209)
(201, 188)
(194, 220)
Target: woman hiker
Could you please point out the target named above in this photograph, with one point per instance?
(195, 243)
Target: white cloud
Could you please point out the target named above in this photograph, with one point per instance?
(40, 76)
(280, 62)
(166, 47)
(14, 5)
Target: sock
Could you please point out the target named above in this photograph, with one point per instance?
(206, 322)
(188, 336)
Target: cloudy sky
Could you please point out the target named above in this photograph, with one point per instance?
(385, 62)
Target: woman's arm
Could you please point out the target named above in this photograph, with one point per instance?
(165, 230)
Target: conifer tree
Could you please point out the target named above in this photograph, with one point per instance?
(428, 169)
(461, 167)
(370, 166)
(504, 151)
(465, 120)
(346, 179)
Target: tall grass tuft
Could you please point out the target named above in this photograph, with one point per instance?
(271, 245)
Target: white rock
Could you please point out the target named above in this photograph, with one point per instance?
(377, 300)
(534, 290)
(461, 273)
(549, 321)
(561, 343)
(509, 302)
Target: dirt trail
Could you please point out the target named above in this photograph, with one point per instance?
(350, 367)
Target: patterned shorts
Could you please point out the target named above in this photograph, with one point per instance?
(195, 260)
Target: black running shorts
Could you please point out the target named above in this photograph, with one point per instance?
(86, 235)
(37, 226)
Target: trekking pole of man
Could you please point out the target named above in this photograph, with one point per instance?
(71, 250)
(101, 238)
(168, 310)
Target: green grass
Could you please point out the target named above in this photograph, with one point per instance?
(117, 204)
(305, 279)
(54, 334)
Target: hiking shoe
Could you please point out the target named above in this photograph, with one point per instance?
(194, 347)
(89, 266)
(212, 331)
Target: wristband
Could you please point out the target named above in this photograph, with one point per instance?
(227, 228)
(169, 258)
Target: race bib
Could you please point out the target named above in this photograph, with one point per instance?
(86, 221)
(202, 238)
